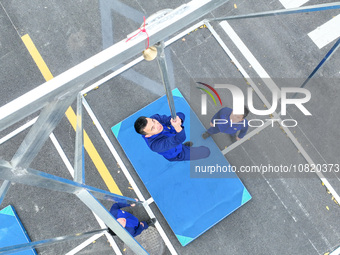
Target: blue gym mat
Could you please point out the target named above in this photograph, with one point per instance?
(12, 232)
(191, 201)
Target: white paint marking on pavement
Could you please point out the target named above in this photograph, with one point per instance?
(260, 71)
(150, 201)
(62, 154)
(84, 244)
(128, 176)
(100, 222)
(18, 130)
(249, 56)
(326, 33)
(71, 170)
(293, 3)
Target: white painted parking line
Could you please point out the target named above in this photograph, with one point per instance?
(293, 3)
(115, 154)
(62, 154)
(260, 71)
(238, 65)
(150, 201)
(18, 130)
(311, 163)
(326, 33)
(109, 237)
(100, 222)
(128, 176)
(84, 244)
(89, 241)
(249, 56)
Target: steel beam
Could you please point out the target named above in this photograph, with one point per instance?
(165, 77)
(90, 201)
(3, 190)
(79, 164)
(42, 243)
(323, 61)
(312, 8)
(44, 180)
(76, 77)
(41, 130)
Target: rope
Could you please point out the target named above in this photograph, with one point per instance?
(143, 30)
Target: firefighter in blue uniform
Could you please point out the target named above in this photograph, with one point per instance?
(129, 221)
(226, 121)
(165, 136)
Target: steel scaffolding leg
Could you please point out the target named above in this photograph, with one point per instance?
(42, 243)
(41, 130)
(110, 221)
(79, 164)
(323, 61)
(312, 8)
(3, 190)
(44, 180)
(57, 94)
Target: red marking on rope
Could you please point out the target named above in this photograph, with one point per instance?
(143, 30)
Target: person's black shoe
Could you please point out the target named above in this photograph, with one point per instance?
(111, 232)
(189, 144)
(205, 135)
(151, 222)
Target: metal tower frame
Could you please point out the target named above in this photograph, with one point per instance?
(56, 95)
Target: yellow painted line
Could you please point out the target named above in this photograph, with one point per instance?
(37, 57)
(71, 116)
(94, 155)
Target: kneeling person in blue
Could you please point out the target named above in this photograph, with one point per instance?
(129, 221)
(165, 136)
(226, 121)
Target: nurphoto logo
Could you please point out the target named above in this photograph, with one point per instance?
(239, 103)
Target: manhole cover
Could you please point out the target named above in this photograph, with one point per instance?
(151, 241)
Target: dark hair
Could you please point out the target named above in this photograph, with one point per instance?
(246, 112)
(140, 124)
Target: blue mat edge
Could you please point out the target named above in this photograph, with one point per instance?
(187, 239)
(14, 213)
(184, 240)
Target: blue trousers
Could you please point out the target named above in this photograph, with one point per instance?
(192, 153)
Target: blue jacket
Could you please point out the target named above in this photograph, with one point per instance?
(168, 143)
(132, 223)
(224, 113)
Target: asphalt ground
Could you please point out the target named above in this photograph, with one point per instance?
(288, 213)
